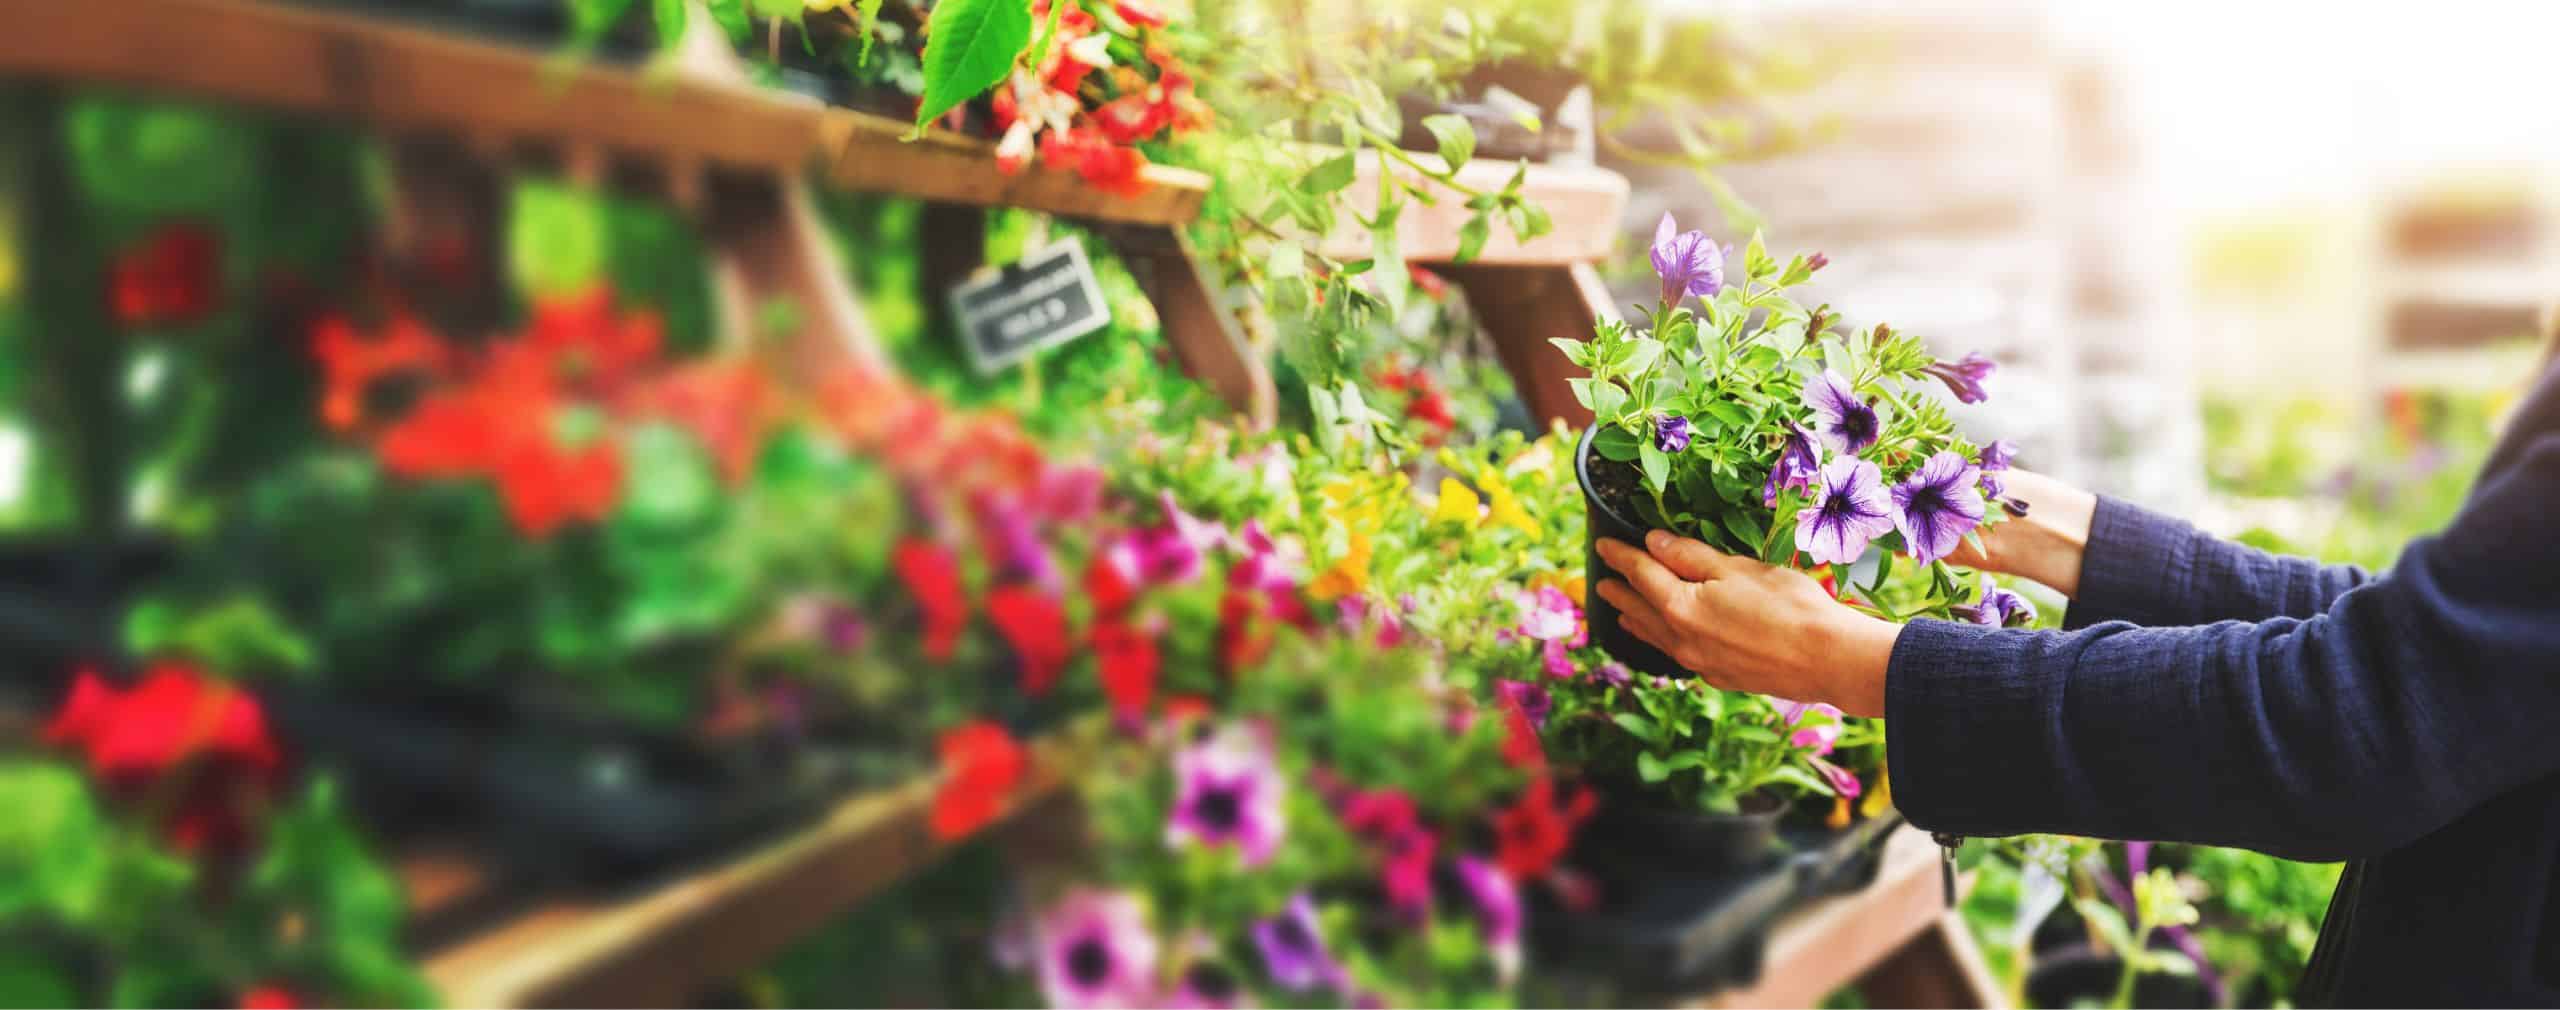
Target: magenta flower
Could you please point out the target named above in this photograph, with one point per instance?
(1013, 535)
(1293, 949)
(1797, 464)
(1964, 376)
(1497, 902)
(1815, 265)
(1687, 261)
(1549, 615)
(1529, 697)
(1998, 607)
(1937, 505)
(1615, 674)
(1849, 509)
(1671, 433)
(1068, 494)
(1095, 951)
(1817, 725)
(1994, 458)
(1842, 780)
(1405, 870)
(1228, 792)
(1558, 661)
(1846, 423)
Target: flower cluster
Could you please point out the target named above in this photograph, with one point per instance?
(1084, 111)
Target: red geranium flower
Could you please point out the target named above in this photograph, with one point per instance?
(932, 576)
(1128, 662)
(1520, 746)
(172, 276)
(544, 485)
(176, 721)
(1184, 708)
(1139, 13)
(1534, 832)
(981, 764)
(1036, 626)
(270, 997)
(1244, 634)
(1090, 152)
(1109, 585)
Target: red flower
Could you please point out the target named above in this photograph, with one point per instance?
(270, 997)
(1244, 633)
(351, 363)
(1184, 708)
(1036, 626)
(1380, 814)
(1092, 154)
(1520, 746)
(172, 276)
(1534, 832)
(1431, 407)
(1140, 14)
(1431, 284)
(1133, 117)
(932, 576)
(585, 341)
(981, 764)
(544, 485)
(1109, 586)
(1128, 662)
(176, 720)
(726, 405)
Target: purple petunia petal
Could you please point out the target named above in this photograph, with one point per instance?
(1846, 423)
(1937, 505)
(1849, 509)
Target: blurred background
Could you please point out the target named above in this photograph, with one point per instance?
(501, 503)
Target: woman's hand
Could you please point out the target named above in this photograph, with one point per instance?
(2045, 544)
(1748, 626)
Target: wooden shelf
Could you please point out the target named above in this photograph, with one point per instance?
(661, 947)
(1584, 203)
(863, 152)
(1837, 941)
(333, 64)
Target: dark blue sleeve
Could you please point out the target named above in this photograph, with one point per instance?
(2160, 572)
(2401, 704)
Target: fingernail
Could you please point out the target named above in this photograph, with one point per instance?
(1655, 539)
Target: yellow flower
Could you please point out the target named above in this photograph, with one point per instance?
(1458, 504)
(1506, 509)
(1879, 797)
(1348, 576)
(1839, 814)
(1569, 583)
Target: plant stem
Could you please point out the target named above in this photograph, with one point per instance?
(2123, 999)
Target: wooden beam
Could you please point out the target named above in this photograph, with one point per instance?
(298, 59)
(1520, 308)
(1585, 205)
(1203, 334)
(664, 946)
(865, 153)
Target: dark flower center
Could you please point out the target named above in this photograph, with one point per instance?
(1219, 809)
(1211, 981)
(1293, 935)
(1858, 426)
(1927, 501)
(1089, 961)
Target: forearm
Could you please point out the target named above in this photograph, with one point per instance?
(2047, 543)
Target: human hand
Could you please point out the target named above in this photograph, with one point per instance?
(2047, 543)
(1748, 626)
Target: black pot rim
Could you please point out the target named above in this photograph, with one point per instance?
(1582, 457)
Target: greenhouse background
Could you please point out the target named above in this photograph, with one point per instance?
(1090, 502)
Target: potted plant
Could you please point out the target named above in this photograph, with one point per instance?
(1750, 423)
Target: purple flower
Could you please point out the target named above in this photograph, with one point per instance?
(1497, 902)
(1095, 951)
(1817, 725)
(1998, 607)
(1293, 948)
(1797, 464)
(1228, 791)
(1849, 508)
(1937, 505)
(1815, 265)
(1993, 459)
(1529, 697)
(1687, 261)
(1842, 780)
(1015, 538)
(1671, 433)
(1964, 376)
(1559, 663)
(1846, 423)
(1549, 615)
(1615, 674)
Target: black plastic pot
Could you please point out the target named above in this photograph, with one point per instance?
(1499, 134)
(1626, 832)
(1604, 521)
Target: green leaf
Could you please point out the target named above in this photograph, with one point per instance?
(1746, 529)
(1456, 136)
(1528, 221)
(1657, 466)
(1755, 260)
(1727, 412)
(1640, 355)
(1576, 351)
(1650, 768)
(1607, 398)
(1637, 726)
(669, 16)
(1615, 443)
(866, 22)
(1330, 174)
(1039, 54)
(1471, 236)
(971, 47)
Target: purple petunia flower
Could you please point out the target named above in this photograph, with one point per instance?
(1529, 697)
(1846, 423)
(1815, 265)
(1688, 262)
(1615, 674)
(1497, 902)
(1228, 791)
(1937, 505)
(1849, 509)
(1817, 733)
(1671, 433)
(1293, 948)
(1993, 459)
(1998, 607)
(1964, 376)
(1095, 951)
(1843, 781)
(1015, 539)
(1797, 464)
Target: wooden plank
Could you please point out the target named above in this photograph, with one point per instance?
(1939, 968)
(1833, 942)
(1584, 203)
(1520, 307)
(864, 152)
(662, 947)
(1204, 336)
(302, 60)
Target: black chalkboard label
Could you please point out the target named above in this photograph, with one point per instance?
(1047, 298)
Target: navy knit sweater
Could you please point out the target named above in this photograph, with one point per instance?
(2207, 692)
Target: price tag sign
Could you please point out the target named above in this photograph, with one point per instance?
(1047, 298)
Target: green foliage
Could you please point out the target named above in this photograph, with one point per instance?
(973, 44)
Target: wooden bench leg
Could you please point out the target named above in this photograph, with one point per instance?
(1941, 967)
(1521, 307)
(1203, 336)
(768, 246)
